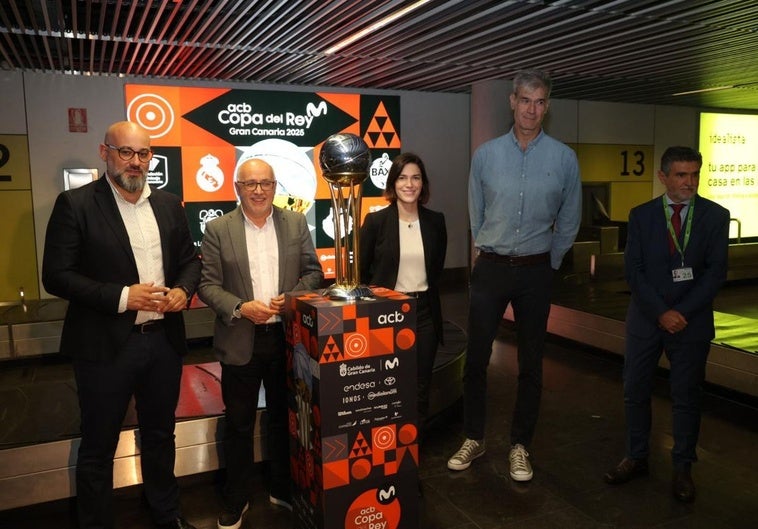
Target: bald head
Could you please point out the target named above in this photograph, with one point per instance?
(256, 186)
(126, 129)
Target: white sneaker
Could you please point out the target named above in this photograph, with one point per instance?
(232, 519)
(281, 502)
(469, 450)
(521, 468)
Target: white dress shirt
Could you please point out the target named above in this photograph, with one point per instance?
(145, 240)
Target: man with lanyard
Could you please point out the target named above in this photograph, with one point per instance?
(675, 261)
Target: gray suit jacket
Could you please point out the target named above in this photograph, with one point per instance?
(225, 279)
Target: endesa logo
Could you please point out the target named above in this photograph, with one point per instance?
(395, 317)
(359, 386)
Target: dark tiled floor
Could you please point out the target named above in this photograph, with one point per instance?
(580, 435)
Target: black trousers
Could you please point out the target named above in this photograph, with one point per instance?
(494, 285)
(148, 368)
(426, 351)
(687, 360)
(239, 387)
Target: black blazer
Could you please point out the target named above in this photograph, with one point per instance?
(648, 263)
(88, 260)
(380, 252)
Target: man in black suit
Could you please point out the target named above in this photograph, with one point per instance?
(122, 255)
(675, 261)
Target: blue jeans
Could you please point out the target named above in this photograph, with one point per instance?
(528, 289)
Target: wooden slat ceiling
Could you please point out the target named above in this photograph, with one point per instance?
(635, 51)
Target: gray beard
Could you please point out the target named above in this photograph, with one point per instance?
(130, 185)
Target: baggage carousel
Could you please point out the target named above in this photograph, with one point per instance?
(39, 429)
(40, 415)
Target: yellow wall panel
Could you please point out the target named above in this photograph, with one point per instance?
(14, 162)
(626, 195)
(615, 163)
(18, 258)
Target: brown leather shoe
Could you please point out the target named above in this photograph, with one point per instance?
(626, 470)
(682, 486)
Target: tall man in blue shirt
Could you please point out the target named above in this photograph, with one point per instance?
(525, 208)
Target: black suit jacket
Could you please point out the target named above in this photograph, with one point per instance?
(648, 264)
(380, 252)
(88, 260)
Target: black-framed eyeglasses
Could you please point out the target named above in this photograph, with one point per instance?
(250, 185)
(127, 153)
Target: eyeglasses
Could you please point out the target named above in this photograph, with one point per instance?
(127, 153)
(250, 185)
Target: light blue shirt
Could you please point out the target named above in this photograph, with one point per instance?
(525, 202)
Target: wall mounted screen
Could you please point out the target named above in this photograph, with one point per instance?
(729, 176)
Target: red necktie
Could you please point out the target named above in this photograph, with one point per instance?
(676, 222)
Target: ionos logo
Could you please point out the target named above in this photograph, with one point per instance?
(391, 364)
(157, 171)
(207, 215)
(358, 386)
(396, 317)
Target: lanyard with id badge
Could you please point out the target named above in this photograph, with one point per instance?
(683, 273)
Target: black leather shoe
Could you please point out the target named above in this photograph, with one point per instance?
(682, 486)
(627, 470)
(179, 523)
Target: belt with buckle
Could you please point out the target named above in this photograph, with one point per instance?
(148, 327)
(516, 260)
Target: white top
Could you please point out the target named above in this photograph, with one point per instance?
(263, 257)
(145, 240)
(411, 272)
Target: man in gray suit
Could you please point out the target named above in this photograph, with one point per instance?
(251, 256)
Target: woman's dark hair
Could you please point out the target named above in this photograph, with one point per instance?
(398, 164)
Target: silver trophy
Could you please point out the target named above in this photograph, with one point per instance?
(344, 163)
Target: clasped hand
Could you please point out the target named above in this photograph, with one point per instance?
(259, 313)
(672, 321)
(149, 297)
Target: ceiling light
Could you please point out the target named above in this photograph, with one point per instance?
(375, 26)
(714, 89)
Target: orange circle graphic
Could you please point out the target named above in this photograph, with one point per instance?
(405, 338)
(360, 468)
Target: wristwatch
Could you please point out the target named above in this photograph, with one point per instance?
(237, 312)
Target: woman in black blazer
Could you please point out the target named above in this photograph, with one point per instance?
(402, 247)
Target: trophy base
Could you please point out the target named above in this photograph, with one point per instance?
(348, 292)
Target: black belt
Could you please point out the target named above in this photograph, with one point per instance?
(265, 328)
(418, 295)
(516, 260)
(148, 327)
